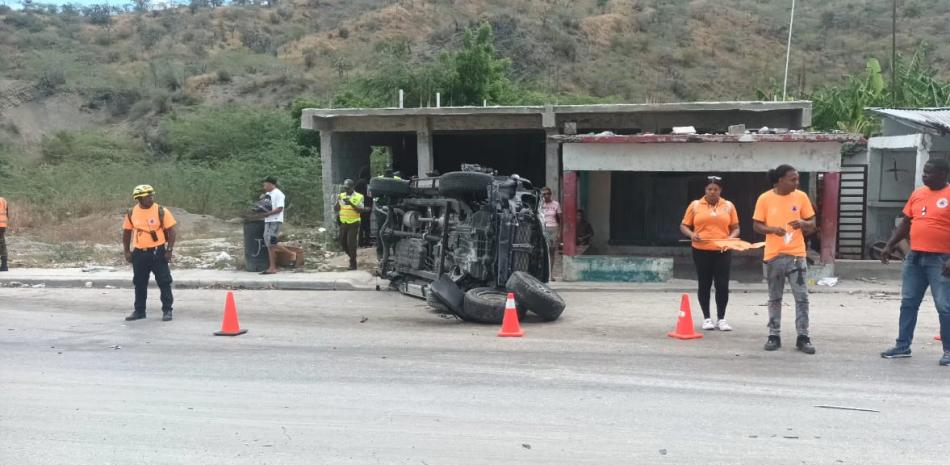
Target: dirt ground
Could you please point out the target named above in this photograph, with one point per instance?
(204, 242)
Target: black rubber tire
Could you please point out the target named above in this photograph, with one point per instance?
(536, 296)
(465, 183)
(388, 187)
(487, 305)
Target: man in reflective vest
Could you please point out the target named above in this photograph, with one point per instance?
(349, 205)
(148, 238)
(4, 220)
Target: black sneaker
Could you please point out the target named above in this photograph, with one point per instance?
(773, 343)
(804, 344)
(945, 360)
(135, 316)
(896, 352)
(167, 316)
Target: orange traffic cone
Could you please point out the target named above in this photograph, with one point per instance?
(509, 325)
(230, 326)
(684, 325)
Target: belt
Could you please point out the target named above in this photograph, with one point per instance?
(149, 249)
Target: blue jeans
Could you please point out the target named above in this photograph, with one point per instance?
(921, 270)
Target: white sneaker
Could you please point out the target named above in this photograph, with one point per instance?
(708, 324)
(723, 326)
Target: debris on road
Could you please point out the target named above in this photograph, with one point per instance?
(856, 409)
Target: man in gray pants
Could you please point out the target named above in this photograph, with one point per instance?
(785, 215)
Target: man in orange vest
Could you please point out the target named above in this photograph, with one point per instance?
(148, 240)
(4, 220)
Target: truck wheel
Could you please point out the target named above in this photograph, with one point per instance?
(459, 183)
(487, 305)
(388, 187)
(537, 296)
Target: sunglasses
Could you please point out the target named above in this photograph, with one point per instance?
(714, 178)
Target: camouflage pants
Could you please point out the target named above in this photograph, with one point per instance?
(3, 242)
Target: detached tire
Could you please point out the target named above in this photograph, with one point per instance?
(487, 305)
(463, 183)
(536, 296)
(388, 187)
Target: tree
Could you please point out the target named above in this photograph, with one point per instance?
(195, 5)
(142, 6)
(100, 15)
(476, 75)
(843, 107)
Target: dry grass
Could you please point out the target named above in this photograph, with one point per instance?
(196, 84)
(602, 29)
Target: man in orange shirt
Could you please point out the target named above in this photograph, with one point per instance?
(785, 215)
(148, 240)
(4, 219)
(927, 222)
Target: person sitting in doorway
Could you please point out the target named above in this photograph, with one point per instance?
(585, 233)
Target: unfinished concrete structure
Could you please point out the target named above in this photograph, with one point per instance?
(635, 183)
(509, 139)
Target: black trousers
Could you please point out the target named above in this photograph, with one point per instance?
(3, 242)
(144, 263)
(713, 267)
(349, 238)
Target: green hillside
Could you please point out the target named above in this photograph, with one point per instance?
(201, 97)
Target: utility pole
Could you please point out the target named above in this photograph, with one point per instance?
(894, 55)
(788, 51)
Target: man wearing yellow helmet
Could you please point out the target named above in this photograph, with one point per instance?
(148, 240)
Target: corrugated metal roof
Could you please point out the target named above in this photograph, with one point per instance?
(935, 121)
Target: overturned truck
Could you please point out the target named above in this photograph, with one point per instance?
(462, 241)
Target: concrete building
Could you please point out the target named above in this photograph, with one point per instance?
(510, 139)
(635, 189)
(892, 167)
(659, 173)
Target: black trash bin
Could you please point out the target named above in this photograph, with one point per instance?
(255, 252)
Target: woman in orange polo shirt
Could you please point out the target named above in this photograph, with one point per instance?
(707, 220)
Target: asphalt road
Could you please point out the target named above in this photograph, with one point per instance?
(370, 377)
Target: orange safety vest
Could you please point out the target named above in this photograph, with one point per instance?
(4, 217)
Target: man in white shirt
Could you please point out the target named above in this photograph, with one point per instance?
(273, 221)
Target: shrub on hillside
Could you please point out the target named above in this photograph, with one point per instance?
(90, 148)
(217, 134)
(27, 21)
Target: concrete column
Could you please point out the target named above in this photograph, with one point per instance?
(569, 207)
(326, 159)
(426, 158)
(552, 162)
(829, 217)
